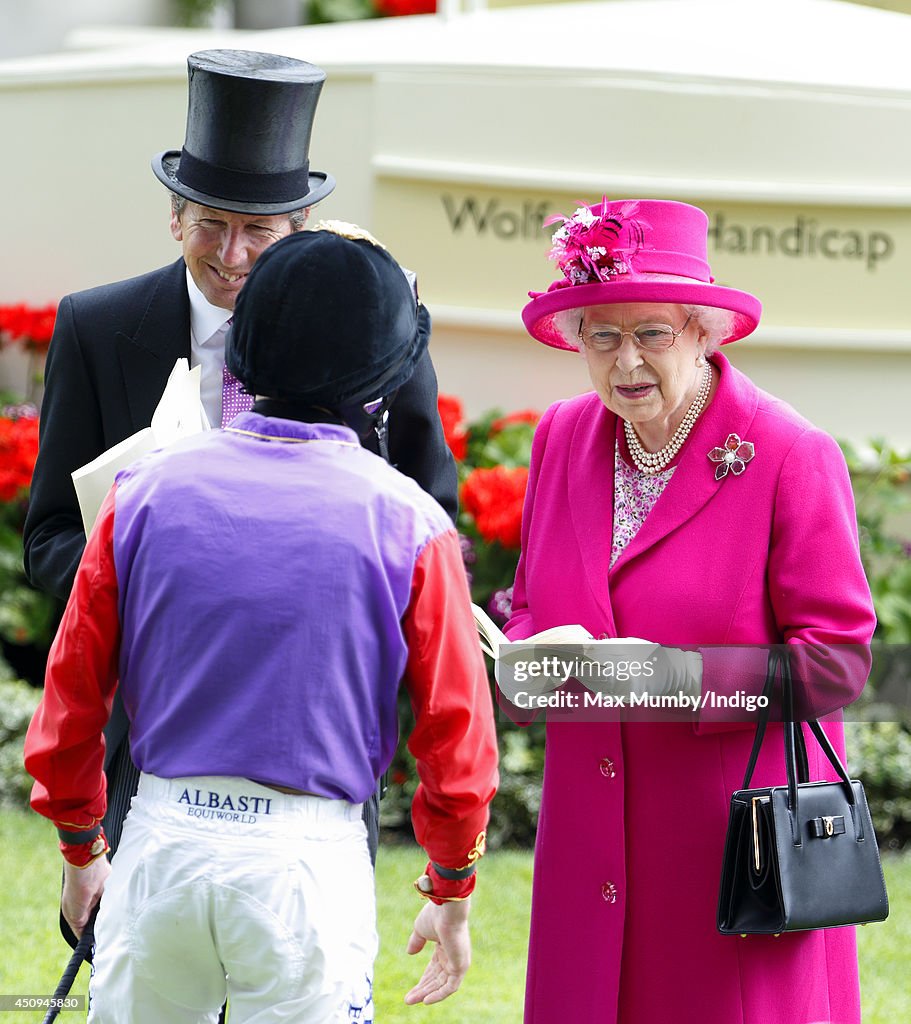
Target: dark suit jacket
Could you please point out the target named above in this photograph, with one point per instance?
(112, 351)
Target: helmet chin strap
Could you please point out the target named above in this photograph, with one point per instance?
(365, 418)
(372, 416)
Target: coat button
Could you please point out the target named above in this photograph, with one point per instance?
(607, 768)
(609, 892)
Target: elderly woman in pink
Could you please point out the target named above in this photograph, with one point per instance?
(679, 504)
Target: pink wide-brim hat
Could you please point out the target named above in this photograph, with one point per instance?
(611, 252)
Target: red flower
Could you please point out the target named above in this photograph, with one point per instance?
(523, 416)
(396, 8)
(41, 328)
(494, 498)
(452, 416)
(31, 327)
(18, 451)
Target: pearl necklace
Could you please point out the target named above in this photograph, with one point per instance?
(654, 462)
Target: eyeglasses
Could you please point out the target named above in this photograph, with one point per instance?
(650, 337)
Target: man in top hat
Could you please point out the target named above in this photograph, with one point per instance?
(241, 182)
(243, 869)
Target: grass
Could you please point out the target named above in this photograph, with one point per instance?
(885, 950)
(34, 954)
(492, 992)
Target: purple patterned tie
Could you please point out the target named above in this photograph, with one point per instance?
(234, 400)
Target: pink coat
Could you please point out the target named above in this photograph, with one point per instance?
(633, 818)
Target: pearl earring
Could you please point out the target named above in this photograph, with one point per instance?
(702, 361)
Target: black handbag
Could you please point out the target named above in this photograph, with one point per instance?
(799, 856)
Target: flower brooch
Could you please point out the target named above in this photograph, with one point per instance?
(733, 457)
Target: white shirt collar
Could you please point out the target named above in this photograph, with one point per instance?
(205, 319)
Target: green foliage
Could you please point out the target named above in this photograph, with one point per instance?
(880, 751)
(26, 615)
(18, 701)
(880, 754)
(495, 441)
(882, 492)
(193, 13)
(491, 569)
(320, 12)
(514, 812)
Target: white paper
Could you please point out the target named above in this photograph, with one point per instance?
(179, 414)
(93, 481)
(492, 637)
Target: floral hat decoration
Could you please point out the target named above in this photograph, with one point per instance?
(646, 250)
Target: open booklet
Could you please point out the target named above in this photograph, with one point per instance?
(178, 414)
(493, 638)
(536, 665)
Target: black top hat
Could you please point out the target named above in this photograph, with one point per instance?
(249, 120)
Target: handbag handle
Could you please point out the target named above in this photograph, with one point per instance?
(792, 727)
(795, 745)
(803, 772)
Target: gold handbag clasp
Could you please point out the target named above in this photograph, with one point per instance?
(826, 826)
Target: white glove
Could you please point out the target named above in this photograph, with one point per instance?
(676, 671)
(641, 667)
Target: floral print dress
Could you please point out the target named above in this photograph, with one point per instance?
(635, 495)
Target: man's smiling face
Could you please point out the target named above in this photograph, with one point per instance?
(220, 248)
